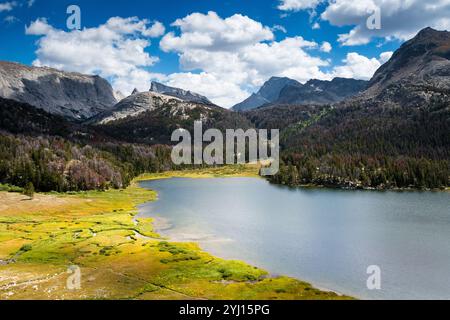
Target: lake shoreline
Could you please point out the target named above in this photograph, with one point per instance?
(120, 254)
(162, 225)
(253, 171)
(313, 229)
(345, 188)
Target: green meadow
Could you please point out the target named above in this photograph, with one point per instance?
(120, 257)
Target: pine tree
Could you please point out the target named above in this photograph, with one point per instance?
(29, 190)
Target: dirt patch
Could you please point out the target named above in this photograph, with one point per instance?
(11, 203)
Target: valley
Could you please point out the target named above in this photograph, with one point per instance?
(328, 237)
(79, 161)
(120, 257)
(388, 133)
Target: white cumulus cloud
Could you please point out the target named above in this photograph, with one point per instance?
(155, 31)
(211, 32)
(400, 19)
(7, 6)
(220, 91)
(228, 58)
(225, 59)
(326, 47)
(385, 56)
(297, 5)
(114, 50)
(39, 27)
(357, 66)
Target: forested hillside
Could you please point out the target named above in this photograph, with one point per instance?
(396, 134)
(150, 118)
(57, 155)
(366, 145)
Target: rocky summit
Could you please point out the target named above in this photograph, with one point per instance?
(319, 92)
(182, 94)
(315, 92)
(139, 103)
(150, 117)
(268, 93)
(416, 73)
(72, 95)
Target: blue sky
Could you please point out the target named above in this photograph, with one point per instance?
(197, 54)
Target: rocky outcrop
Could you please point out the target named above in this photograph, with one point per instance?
(418, 71)
(319, 92)
(286, 91)
(268, 93)
(150, 117)
(139, 103)
(179, 93)
(72, 95)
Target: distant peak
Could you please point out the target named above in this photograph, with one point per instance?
(155, 85)
(430, 34)
(178, 93)
(340, 79)
(162, 88)
(427, 30)
(277, 79)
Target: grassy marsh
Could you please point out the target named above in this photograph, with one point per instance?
(120, 257)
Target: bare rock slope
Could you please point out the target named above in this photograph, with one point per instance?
(140, 103)
(417, 73)
(72, 95)
(182, 94)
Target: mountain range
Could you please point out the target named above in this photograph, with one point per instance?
(395, 134)
(390, 132)
(268, 93)
(318, 92)
(151, 117)
(315, 92)
(416, 73)
(92, 99)
(148, 117)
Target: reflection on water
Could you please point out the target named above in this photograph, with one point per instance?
(327, 237)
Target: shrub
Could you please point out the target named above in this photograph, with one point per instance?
(29, 190)
(10, 188)
(26, 248)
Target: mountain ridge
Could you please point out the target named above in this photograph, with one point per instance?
(283, 91)
(70, 94)
(182, 94)
(416, 71)
(320, 92)
(150, 117)
(394, 135)
(269, 92)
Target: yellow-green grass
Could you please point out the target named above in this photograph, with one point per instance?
(217, 172)
(120, 257)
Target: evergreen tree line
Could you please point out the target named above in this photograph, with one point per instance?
(55, 164)
(347, 171)
(365, 145)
